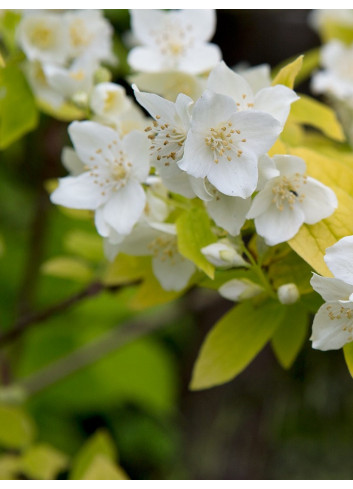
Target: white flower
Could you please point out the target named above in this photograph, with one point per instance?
(71, 161)
(89, 34)
(288, 293)
(333, 323)
(172, 270)
(111, 184)
(167, 135)
(44, 37)
(224, 144)
(109, 101)
(240, 290)
(223, 254)
(275, 101)
(337, 77)
(175, 40)
(40, 85)
(289, 200)
(258, 77)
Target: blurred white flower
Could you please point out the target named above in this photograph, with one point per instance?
(175, 40)
(223, 254)
(109, 100)
(111, 184)
(239, 290)
(289, 200)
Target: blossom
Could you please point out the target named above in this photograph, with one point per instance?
(288, 293)
(223, 254)
(109, 100)
(111, 185)
(240, 290)
(333, 323)
(159, 240)
(167, 135)
(223, 144)
(289, 200)
(275, 101)
(175, 40)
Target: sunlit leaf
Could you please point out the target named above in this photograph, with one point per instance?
(102, 468)
(69, 268)
(286, 76)
(9, 467)
(17, 429)
(42, 461)
(348, 356)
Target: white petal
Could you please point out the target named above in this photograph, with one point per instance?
(210, 110)
(143, 21)
(202, 22)
(137, 243)
(146, 59)
(319, 202)
(176, 180)
(173, 274)
(339, 259)
(102, 226)
(257, 76)
(229, 212)
(200, 188)
(200, 59)
(267, 170)
(125, 207)
(331, 289)
(223, 255)
(136, 146)
(157, 106)
(276, 101)
(332, 326)
(278, 226)
(197, 159)
(288, 165)
(225, 81)
(237, 290)
(71, 161)
(78, 192)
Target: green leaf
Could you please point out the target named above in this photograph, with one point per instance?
(332, 29)
(100, 443)
(306, 110)
(86, 245)
(151, 293)
(286, 76)
(104, 469)
(234, 341)
(18, 112)
(43, 462)
(68, 268)
(10, 466)
(348, 356)
(17, 429)
(290, 335)
(127, 269)
(291, 269)
(194, 232)
(9, 21)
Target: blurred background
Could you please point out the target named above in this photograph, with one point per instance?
(266, 424)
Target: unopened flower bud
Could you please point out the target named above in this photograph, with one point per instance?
(240, 290)
(80, 99)
(288, 294)
(223, 254)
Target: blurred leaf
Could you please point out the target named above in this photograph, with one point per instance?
(44, 462)
(348, 356)
(286, 75)
(102, 468)
(332, 29)
(234, 341)
(18, 113)
(69, 268)
(87, 245)
(291, 269)
(126, 268)
(309, 111)
(10, 466)
(100, 443)
(194, 232)
(151, 293)
(67, 112)
(290, 335)
(17, 429)
(8, 23)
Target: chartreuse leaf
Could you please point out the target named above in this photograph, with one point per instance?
(291, 269)
(18, 112)
(311, 242)
(8, 24)
(194, 232)
(286, 76)
(10, 466)
(44, 462)
(333, 29)
(67, 112)
(102, 468)
(69, 268)
(125, 269)
(306, 110)
(17, 429)
(100, 443)
(348, 356)
(84, 244)
(234, 341)
(290, 335)
(151, 293)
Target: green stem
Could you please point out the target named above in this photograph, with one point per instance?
(257, 268)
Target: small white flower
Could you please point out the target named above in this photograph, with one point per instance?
(175, 40)
(224, 144)
(223, 254)
(159, 240)
(40, 85)
(167, 135)
(44, 37)
(289, 200)
(240, 290)
(333, 323)
(288, 293)
(111, 184)
(109, 101)
(275, 101)
(258, 77)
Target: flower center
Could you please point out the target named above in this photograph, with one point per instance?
(164, 247)
(78, 34)
(287, 191)
(173, 39)
(42, 36)
(221, 141)
(167, 142)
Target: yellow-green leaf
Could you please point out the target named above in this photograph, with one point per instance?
(68, 268)
(87, 245)
(125, 269)
(43, 462)
(286, 76)
(66, 112)
(306, 110)
(348, 356)
(17, 429)
(150, 293)
(290, 336)
(102, 468)
(18, 113)
(100, 443)
(332, 29)
(194, 232)
(234, 341)
(291, 269)
(10, 466)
